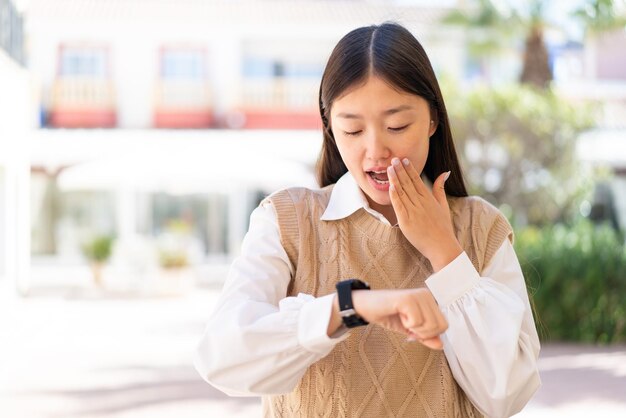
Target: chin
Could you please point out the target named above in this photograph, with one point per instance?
(379, 197)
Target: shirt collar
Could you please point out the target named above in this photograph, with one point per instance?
(345, 199)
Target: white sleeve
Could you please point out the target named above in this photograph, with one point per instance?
(257, 341)
(491, 343)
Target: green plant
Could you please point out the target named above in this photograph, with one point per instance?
(577, 278)
(173, 259)
(518, 146)
(173, 244)
(98, 249)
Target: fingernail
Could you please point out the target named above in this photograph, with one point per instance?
(410, 339)
(405, 161)
(395, 161)
(446, 176)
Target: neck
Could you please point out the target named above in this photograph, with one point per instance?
(385, 210)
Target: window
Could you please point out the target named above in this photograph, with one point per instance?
(204, 217)
(62, 221)
(185, 64)
(256, 67)
(84, 62)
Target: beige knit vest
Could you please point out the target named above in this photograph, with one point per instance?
(374, 372)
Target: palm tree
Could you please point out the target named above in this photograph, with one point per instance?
(536, 68)
(499, 23)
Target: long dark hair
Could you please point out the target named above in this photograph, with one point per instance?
(392, 53)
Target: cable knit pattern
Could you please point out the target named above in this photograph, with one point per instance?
(374, 372)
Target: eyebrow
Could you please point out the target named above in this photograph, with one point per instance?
(387, 112)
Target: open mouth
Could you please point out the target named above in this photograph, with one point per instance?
(380, 177)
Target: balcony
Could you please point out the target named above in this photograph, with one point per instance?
(82, 102)
(279, 103)
(183, 103)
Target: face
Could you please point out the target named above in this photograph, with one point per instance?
(373, 123)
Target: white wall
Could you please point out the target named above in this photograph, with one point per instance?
(17, 118)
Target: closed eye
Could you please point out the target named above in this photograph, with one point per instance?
(352, 133)
(399, 129)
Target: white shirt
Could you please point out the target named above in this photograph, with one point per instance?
(258, 341)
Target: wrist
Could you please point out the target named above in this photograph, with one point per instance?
(347, 311)
(372, 304)
(359, 301)
(359, 305)
(445, 257)
(335, 321)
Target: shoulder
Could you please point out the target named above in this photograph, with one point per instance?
(296, 210)
(473, 206)
(297, 195)
(480, 227)
(478, 214)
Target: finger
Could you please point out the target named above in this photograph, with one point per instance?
(415, 177)
(395, 187)
(393, 323)
(439, 318)
(398, 201)
(412, 337)
(439, 190)
(434, 321)
(434, 343)
(430, 327)
(441, 324)
(400, 175)
(411, 314)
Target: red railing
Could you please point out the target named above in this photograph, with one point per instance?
(79, 102)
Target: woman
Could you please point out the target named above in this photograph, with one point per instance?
(446, 329)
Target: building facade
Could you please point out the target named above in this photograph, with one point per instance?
(17, 119)
(198, 64)
(146, 105)
(143, 104)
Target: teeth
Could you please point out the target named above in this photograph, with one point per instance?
(381, 182)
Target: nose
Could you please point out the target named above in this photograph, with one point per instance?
(377, 149)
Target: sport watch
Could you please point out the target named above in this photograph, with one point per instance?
(346, 309)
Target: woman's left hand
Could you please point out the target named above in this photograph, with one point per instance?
(423, 216)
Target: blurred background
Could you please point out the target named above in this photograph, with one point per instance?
(136, 136)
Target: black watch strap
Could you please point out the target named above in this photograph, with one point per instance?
(346, 309)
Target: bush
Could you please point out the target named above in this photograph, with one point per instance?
(518, 147)
(577, 278)
(173, 259)
(98, 249)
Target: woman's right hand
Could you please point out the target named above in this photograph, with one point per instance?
(411, 312)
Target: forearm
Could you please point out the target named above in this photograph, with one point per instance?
(361, 300)
(411, 312)
(492, 350)
(252, 348)
(335, 321)
(491, 344)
